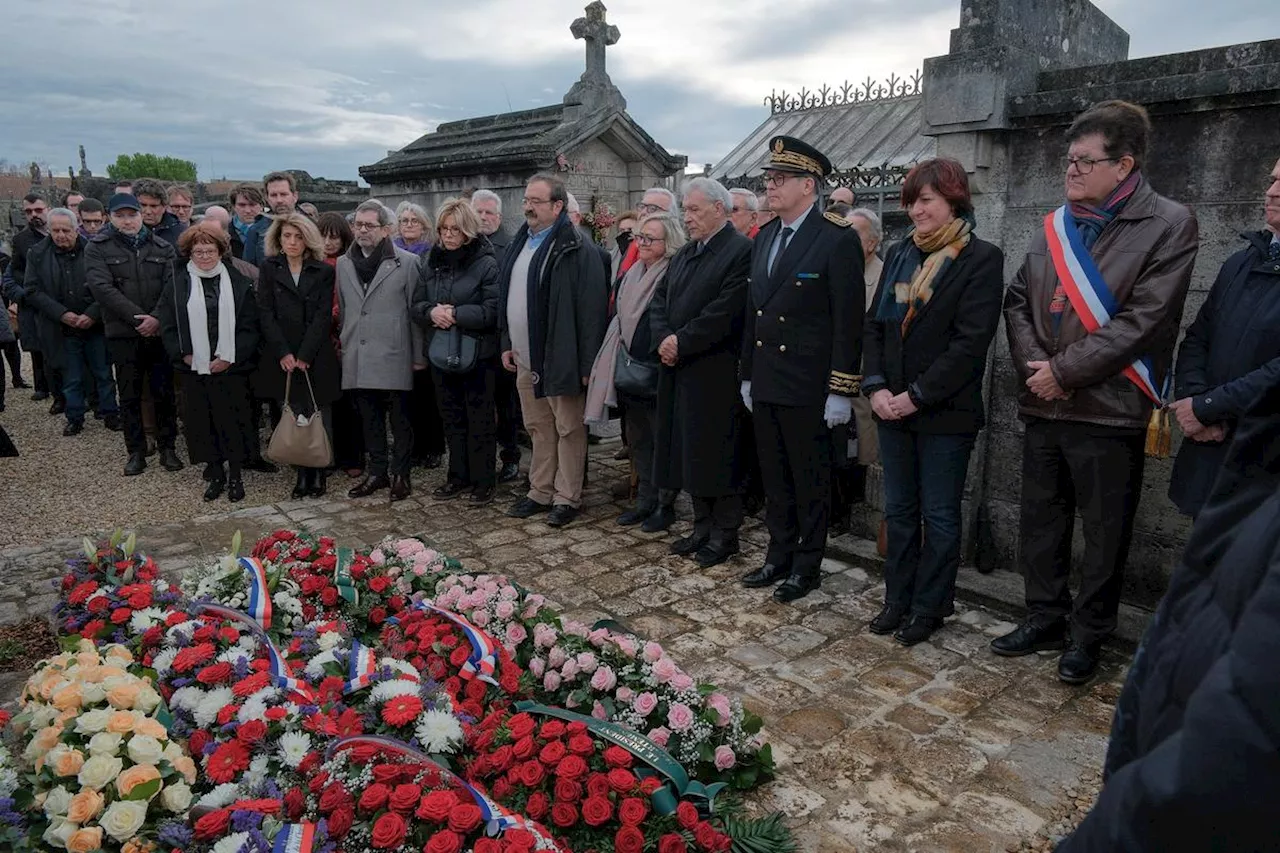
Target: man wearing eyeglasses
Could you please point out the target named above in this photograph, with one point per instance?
(743, 216)
(1092, 318)
(552, 318)
(656, 200)
(801, 351)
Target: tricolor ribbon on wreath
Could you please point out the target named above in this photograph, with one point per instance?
(678, 785)
(362, 665)
(295, 838)
(482, 663)
(497, 818)
(1096, 305)
(259, 591)
(279, 667)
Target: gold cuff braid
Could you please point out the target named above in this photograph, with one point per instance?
(846, 384)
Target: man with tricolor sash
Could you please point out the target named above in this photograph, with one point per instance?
(1092, 318)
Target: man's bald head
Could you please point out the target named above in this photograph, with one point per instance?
(843, 194)
(219, 215)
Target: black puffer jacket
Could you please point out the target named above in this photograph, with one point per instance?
(467, 280)
(126, 282)
(1194, 758)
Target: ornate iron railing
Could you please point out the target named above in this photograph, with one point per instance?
(845, 94)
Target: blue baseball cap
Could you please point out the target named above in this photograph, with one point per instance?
(123, 201)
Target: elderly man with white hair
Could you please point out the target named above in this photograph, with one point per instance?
(488, 207)
(697, 319)
(744, 213)
(655, 200)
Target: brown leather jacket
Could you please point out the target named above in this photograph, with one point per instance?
(1145, 255)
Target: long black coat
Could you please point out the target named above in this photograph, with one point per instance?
(1230, 356)
(55, 284)
(296, 319)
(700, 300)
(471, 287)
(15, 291)
(803, 335)
(1194, 756)
(944, 353)
(175, 327)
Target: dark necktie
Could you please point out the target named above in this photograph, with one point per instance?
(1273, 252)
(782, 247)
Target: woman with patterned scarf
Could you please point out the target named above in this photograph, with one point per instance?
(924, 353)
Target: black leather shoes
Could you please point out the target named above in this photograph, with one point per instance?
(59, 406)
(887, 620)
(112, 422)
(235, 491)
(73, 428)
(661, 518)
(214, 490)
(917, 630)
(561, 515)
(687, 546)
(527, 507)
(1029, 638)
(136, 465)
(796, 587)
(449, 490)
(369, 485)
(319, 482)
(39, 395)
(302, 487)
(481, 495)
(401, 488)
(766, 575)
(169, 460)
(1079, 662)
(635, 516)
(508, 472)
(715, 553)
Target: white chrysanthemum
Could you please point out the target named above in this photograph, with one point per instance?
(143, 619)
(256, 775)
(186, 698)
(232, 843)
(438, 732)
(221, 796)
(386, 690)
(163, 661)
(400, 666)
(8, 776)
(315, 666)
(329, 640)
(294, 747)
(213, 702)
(182, 632)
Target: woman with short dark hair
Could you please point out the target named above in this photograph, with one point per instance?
(210, 330)
(928, 330)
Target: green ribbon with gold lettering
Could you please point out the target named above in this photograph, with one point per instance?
(678, 785)
(342, 576)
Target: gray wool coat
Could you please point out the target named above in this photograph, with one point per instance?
(380, 342)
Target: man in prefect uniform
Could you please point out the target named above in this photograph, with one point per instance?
(801, 348)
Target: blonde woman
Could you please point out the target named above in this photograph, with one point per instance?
(295, 301)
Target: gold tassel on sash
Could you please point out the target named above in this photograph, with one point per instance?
(1159, 434)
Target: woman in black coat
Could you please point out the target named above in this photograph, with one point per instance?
(209, 325)
(457, 295)
(295, 300)
(928, 330)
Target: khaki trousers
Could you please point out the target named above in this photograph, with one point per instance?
(559, 439)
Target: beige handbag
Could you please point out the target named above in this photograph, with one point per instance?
(298, 439)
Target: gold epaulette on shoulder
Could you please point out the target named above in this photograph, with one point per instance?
(836, 218)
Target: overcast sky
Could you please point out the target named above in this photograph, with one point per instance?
(246, 86)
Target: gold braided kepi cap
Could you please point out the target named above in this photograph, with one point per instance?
(788, 154)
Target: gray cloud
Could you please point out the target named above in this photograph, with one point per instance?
(244, 87)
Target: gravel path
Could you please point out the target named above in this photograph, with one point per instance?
(59, 485)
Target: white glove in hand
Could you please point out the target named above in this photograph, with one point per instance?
(745, 391)
(838, 410)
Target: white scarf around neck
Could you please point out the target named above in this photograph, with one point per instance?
(198, 318)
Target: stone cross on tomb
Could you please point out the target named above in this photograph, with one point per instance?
(598, 34)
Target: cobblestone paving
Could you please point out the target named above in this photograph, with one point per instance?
(937, 747)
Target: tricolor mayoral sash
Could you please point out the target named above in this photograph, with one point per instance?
(1092, 300)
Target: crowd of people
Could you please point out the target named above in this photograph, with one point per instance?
(759, 349)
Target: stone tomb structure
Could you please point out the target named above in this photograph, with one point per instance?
(589, 140)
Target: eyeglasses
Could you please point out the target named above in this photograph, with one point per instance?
(777, 179)
(1084, 165)
(646, 240)
(409, 221)
(536, 201)
(450, 229)
(365, 226)
(644, 208)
